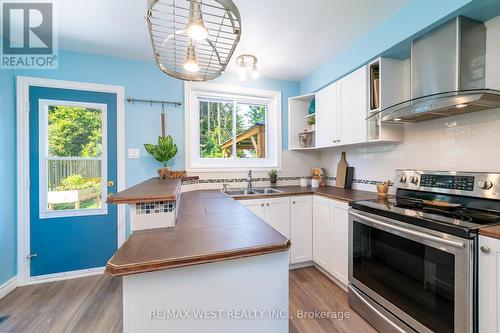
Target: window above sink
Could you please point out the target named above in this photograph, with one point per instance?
(229, 128)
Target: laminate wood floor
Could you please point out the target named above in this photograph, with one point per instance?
(94, 304)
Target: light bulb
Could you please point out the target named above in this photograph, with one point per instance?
(243, 76)
(195, 27)
(255, 73)
(196, 31)
(190, 65)
(459, 106)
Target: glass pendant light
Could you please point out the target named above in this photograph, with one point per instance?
(191, 65)
(196, 28)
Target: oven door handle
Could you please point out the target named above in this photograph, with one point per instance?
(410, 231)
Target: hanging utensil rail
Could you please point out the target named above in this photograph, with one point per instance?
(152, 101)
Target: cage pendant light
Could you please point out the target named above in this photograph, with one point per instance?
(193, 40)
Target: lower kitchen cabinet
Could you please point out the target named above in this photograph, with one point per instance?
(322, 230)
(256, 206)
(317, 227)
(301, 229)
(277, 214)
(275, 211)
(292, 216)
(339, 257)
(330, 236)
(489, 285)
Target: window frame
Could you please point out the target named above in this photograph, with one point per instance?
(196, 91)
(43, 158)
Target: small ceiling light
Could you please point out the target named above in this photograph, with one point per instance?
(459, 106)
(397, 119)
(191, 65)
(247, 65)
(196, 29)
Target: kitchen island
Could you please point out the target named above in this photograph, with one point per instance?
(242, 285)
(219, 268)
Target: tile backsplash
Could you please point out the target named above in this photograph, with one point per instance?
(468, 142)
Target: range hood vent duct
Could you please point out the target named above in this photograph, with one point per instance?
(447, 74)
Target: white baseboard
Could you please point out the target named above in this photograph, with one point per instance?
(340, 283)
(66, 275)
(301, 265)
(8, 286)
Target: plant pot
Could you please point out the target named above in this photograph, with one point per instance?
(164, 172)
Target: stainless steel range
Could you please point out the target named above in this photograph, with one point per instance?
(413, 257)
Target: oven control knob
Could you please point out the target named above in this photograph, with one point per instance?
(402, 179)
(485, 184)
(414, 179)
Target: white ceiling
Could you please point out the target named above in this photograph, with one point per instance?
(290, 38)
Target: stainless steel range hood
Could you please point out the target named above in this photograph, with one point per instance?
(447, 74)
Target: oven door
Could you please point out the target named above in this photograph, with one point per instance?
(421, 276)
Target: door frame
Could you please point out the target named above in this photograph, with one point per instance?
(23, 84)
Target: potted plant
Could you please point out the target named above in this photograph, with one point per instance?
(311, 121)
(163, 152)
(273, 177)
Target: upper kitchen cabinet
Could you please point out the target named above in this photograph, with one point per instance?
(345, 111)
(389, 84)
(328, 116)
(341, 111)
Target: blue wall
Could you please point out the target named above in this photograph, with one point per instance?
(411, 19)
(8, 238)
(141, 79)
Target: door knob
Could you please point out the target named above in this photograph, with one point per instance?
(111, 183)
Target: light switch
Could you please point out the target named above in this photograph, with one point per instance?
(134, 153)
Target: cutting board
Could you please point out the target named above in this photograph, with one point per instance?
(341, 172)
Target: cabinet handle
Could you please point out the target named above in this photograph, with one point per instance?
(267, 205)
(485, 249)
(262, 204)
(293, 202)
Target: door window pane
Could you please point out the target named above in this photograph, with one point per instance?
(74, 184)
(74, 131)
(73, 158)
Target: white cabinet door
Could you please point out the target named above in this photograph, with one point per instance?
(327, 103)
(322, 217)
(339, 256)
(301, 229)
(489, 285)
(353, 105)
(256, 206)
(277, 214)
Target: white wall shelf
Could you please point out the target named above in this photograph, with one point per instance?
(298, 113)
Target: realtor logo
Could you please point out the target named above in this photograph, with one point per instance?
(28, 35)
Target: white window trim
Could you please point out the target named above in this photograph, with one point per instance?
(270, 98)
(43, 121)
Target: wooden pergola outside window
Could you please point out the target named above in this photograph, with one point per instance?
(253, 138)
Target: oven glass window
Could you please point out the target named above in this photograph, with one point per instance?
(416, 278)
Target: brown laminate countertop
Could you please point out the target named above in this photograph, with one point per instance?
(493, 232)
(210, 227)
(153, 189)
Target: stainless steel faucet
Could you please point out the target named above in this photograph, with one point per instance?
(249, 180)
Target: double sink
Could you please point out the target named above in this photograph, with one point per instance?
(250, 191)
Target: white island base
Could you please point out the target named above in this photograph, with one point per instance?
(244, 295)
